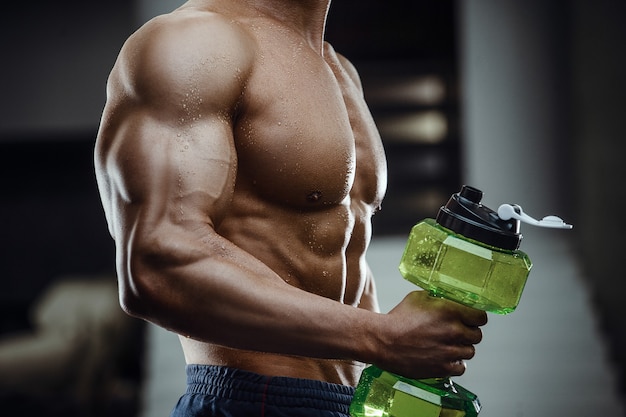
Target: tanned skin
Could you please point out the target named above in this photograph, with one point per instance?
(239, 169)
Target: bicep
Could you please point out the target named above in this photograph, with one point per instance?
(167, 131)
(169, 172)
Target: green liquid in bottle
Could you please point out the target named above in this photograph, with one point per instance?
(452, 264)
(459, 269)
(469, 272)
(383, 394)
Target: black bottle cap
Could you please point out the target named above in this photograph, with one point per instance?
(464, 215)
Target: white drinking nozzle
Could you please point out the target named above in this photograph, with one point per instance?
(513, 211)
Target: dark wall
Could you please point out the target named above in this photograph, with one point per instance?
(56, 59)
(394, 30)
(52, 221)
(598, 94)
(392, 44)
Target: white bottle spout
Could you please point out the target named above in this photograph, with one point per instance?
(514, 211)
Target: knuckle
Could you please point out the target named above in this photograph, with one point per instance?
(478, 336)
(483, 319)
(472, 352)
(458, 367)
(455, 368)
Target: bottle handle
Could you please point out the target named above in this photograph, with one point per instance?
(514, 211)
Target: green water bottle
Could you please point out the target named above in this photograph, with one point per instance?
(470, 255)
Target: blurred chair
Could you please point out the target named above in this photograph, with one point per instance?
(83, 357)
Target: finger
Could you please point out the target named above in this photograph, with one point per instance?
(474, 318)
(473, 335)
(462, 352)
(469, 352)
(468, 315)
(464, 335)
(457, 368)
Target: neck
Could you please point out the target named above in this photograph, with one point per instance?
(305, 16)
(308, 17)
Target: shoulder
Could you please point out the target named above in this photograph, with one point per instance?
(183, 50)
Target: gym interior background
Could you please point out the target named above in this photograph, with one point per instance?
(525, 100)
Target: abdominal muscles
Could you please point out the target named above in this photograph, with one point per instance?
(306, 248)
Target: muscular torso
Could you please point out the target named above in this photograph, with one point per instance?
(310, 174)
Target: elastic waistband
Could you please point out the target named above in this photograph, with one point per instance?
(239, 385)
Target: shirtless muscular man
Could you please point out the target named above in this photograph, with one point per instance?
(239, 168)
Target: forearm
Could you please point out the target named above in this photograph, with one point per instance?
(225, 296)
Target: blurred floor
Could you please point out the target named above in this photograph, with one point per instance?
(546, 359)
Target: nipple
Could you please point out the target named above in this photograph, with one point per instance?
(314, 196)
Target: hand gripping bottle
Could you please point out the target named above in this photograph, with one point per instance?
(470, 255)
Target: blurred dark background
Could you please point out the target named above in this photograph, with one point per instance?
(526, 100)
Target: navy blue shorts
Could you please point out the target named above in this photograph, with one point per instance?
(227, 392)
